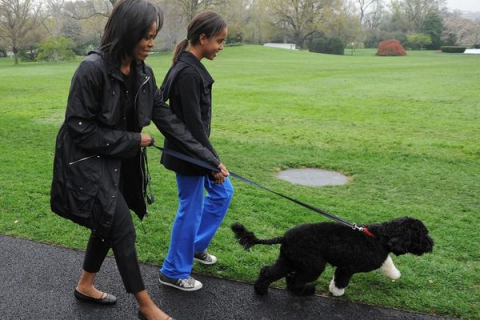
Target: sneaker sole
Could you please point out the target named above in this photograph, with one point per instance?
(180, 288)
(204, 262)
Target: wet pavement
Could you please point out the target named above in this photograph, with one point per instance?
(37, 282)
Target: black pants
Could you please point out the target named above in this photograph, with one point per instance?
(122, 240)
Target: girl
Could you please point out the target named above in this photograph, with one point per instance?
(99, 166)
(188, 87)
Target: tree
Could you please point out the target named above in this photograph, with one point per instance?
(192, 7)
(433, 26)
(86, 9)
(302, 18)
(375, 16)
(464, 31)
(398, 20)
(416, 11)
(419, 40)
(259, 24)
(174, 27)
(363, 7)
(54, 16)
(345, 25)
(17, 19)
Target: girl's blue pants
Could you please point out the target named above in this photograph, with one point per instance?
(198, 218)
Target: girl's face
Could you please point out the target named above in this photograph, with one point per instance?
(211, 47)
(145, 45)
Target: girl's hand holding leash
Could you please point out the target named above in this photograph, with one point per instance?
(220, 176)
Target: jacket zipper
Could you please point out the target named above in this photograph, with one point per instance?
(83, 159)
(141, 152)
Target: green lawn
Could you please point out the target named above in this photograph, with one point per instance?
(405, 129)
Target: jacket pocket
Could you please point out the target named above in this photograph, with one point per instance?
(87, 166)
(80, 196)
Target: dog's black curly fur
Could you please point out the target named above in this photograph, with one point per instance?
(306, 249)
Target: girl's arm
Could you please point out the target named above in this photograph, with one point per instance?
(175, 130)
(188, 87)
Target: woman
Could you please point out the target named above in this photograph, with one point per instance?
(188, 87)
(99, 171)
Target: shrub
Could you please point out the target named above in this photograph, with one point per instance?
(28, 54)
(3, 52)
(419, 40)
(322, 44)
(235, 34)
(56, 48)
(453, 49)
(335, 45)
(319, 45)
(390, 47)
(476, 46)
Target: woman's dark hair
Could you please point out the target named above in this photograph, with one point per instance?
(208, 22)
(128, 23)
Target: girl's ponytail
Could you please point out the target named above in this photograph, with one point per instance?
(179, 48)
(208, 23)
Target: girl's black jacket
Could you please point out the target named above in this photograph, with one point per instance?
(93, 141)
(188, 89)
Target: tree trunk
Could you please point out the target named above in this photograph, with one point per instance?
(298, 40)
(15, 54)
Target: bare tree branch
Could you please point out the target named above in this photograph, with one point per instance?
(17, 19)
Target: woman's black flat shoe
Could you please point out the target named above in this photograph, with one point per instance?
(108, 299)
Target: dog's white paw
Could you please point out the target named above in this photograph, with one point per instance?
(394, 274)
(334, 290)
(389, 269)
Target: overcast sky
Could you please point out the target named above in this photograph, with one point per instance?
(464, 5)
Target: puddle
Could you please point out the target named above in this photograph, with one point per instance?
(313, 177)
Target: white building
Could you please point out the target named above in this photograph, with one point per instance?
(290, 46)
(472, 51)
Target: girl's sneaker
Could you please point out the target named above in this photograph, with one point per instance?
(205, 258)
(188, 284)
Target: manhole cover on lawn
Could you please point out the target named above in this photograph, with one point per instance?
(313, 177)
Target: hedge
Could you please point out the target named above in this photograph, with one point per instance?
(453, 49)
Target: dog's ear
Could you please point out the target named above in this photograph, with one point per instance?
(398, 245)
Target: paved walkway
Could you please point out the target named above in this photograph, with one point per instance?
(37, 282)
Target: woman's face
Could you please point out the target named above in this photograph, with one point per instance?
(212, 46)
(145, 45)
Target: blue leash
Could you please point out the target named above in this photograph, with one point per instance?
(208, 166)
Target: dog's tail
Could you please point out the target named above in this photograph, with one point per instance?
(247, 239)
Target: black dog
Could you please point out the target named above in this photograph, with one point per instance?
(307, 248)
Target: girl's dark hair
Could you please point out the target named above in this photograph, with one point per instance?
(128, 23)
(208, 22)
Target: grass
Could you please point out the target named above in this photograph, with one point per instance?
(404, 129)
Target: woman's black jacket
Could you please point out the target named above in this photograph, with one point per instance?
(93, 141)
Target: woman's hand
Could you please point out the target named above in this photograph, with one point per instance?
(146, 140)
